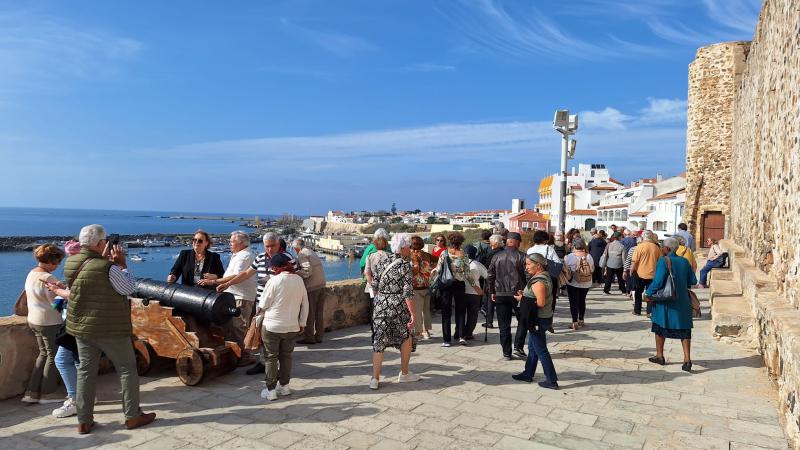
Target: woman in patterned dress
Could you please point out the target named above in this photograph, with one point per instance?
(393, 315)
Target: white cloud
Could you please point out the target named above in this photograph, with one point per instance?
(340, 44)
(40, 53)
(740, 15)
(520, 30)
(607, 119)
(664, 110)
(734, 19)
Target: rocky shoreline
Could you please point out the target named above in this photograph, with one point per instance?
(28, 243)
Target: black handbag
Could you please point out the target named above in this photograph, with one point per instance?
(66, 340)
(444, 277)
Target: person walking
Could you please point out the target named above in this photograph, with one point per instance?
(672, 319)
(497, 244)
(582, 265)
(454, 296)
(537, 291)
(630, 280)
(643, 268)
(421, 267)
(542, 246)
(393, 317)
(613, 260)
(313, 275)
(506, 278)
(597, 247)
(284, 307)
(99, 317)
(473, 291)
(714, 260)
(44, 321)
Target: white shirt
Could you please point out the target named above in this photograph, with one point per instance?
(40, 300)
(476, 270)
(545, 250)
(285, 303)
(572, 261)
(241, 261)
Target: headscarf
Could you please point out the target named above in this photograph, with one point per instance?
(400, 241)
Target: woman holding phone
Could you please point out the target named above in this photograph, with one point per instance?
(197, 264)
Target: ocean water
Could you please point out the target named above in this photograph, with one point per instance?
(68, 222)
(14, 266)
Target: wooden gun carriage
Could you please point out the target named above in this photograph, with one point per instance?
(183, 323)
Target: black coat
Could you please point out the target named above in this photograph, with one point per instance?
(596, 248)
(184, 266)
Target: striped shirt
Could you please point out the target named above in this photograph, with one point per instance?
(262, 266)
(122, 280)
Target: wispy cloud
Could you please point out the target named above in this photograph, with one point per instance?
(340, 44)
(740, 15)
(520, 29)
(38, 52)
(659, 111)
(732, 19)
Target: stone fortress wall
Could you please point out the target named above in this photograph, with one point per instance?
(743, 159)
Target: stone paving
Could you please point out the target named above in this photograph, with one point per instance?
(610, 397)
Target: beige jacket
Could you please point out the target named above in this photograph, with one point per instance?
(311, 269)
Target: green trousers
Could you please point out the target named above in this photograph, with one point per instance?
(278, 349)
(120, 352)
(44, 378)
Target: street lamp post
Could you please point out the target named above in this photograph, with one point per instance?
(567, 125)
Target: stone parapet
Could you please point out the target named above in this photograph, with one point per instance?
(345, 306)
(775, 333)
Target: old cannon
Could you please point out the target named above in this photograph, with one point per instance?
(183, 323)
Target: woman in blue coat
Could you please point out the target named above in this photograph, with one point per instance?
(672, 319)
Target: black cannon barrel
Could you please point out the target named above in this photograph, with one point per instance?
(204, 304)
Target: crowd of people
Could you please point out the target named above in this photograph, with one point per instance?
(281, 295)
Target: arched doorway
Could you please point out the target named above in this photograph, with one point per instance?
(588, 224)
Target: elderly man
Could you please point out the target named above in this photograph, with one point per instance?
(244, 291)
(313, 275)
(506, 279)
(643, 266)
(99, 316)
(260, 268)
(496, 245)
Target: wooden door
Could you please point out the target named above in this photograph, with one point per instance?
(713, 226)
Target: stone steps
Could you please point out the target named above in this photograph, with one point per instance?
(731, 316)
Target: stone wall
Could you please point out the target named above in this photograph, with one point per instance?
(345, 306)
(765, 185)
(713, 76)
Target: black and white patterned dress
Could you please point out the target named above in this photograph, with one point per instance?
(390, 315)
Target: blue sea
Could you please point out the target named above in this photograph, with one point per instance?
(14, 266)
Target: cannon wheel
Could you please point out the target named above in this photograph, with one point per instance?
(190, 366)
(144, 357)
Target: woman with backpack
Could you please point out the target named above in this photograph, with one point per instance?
(581, 264)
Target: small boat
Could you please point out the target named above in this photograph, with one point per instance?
(136, 258)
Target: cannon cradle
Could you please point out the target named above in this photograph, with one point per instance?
(203, 304)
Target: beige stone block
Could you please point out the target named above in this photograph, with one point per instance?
(18, 351)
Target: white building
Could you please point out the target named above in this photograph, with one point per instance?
(585, 188)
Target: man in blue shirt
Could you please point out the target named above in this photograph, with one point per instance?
(682, 231)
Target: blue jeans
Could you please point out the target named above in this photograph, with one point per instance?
(713, 264)
(537, 351)
(68, 368)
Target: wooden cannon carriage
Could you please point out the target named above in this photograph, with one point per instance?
(183, 323)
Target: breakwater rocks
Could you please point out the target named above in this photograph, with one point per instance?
(28, 243)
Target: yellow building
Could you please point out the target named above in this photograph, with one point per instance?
(546, 195)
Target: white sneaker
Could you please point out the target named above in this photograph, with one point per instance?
(445, 344)
(269, 394)
(373, 384)
(283, 390)
(67, 409)
(30, 400)
(462, 341)
(408, 378)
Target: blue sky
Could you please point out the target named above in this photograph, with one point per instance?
(303, 106)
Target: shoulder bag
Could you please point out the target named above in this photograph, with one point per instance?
(667, 293)
(444, 276)
(21, 305)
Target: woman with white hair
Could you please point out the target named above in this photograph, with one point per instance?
(684, 251)
(393, 316)
(672, 318)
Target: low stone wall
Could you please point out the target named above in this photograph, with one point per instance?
(775, 333)
(345, 306)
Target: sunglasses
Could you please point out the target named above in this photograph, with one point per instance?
(440, 240)
(199, 241)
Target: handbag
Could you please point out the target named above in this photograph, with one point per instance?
(444, 277)
(696, 312)
(667, 293)
(66, 340)
(252, 340)
(21, 305)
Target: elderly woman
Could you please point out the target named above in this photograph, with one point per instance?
(597, 247)
(714, 261)
(454, 296)
(197, 264)
(381, 252)
(581, 263)
(672, 319)
(421, 266)
(393, 317)
(538, 291)
(45, 321)
(685, 252)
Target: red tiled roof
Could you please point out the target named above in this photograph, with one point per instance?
(582, 212)
(576, 187)
(530, 216)
(602, 188)
(615, 181)
(668, 195)
(621, 205)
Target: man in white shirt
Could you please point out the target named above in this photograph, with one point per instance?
(284, 305)
(244, 292)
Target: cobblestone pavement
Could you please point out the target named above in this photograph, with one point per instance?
(610, 397)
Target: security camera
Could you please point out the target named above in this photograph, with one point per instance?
(561, 119)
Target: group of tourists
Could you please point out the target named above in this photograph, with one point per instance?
(281, 295)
